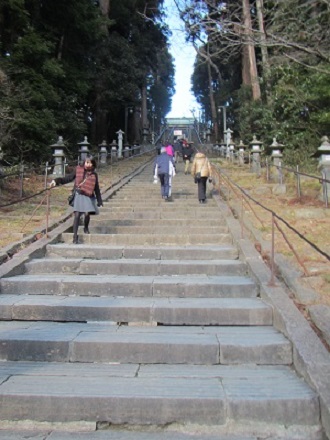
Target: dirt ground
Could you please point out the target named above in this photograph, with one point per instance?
(306, 214)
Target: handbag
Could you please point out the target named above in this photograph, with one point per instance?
(197, 177)
(199, 174)
(74, 191)
(71, 197)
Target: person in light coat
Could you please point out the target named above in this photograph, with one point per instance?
(201, 165)
(164, 170)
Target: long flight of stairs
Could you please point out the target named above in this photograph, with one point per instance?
(150, 323)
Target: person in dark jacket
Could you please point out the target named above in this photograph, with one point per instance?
(177, 151)
(87, 194)
(164, 169)
(187, 152)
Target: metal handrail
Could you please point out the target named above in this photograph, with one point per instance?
(222, 176)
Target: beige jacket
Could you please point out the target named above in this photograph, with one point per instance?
(202, 165)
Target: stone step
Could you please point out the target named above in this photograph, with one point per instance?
(200, 210)
(110, 214)
(104, 342)
(140, 267)
(193, 286)
(159, 395)
(150, 326)
(100, 252)
(156, 229)
(169, 222)
(165, 311)
(87, 431)
(157, 203)
(153, 197)
(150, 239)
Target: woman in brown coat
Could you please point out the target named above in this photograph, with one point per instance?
(201, 171)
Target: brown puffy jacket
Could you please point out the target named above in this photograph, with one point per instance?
(202, 165)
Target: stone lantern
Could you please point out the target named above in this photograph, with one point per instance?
(208, 135)
(84, 150)
(59, 157)
(113, 146)
(231, 147)
(255, 152)
(223, 146)
(216, 148)
(277, 152)
(241, 152)
(126, 151)
(145, 132)
(103, 151)
(136, 148)
(323, 155)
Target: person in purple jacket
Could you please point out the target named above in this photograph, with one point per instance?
(164, 169)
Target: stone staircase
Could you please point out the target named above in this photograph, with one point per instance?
(152, 325)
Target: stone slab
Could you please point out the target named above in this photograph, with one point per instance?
(150, 239)
(174, 311)
(109, 433)
(117, 285)
(157, 252)
(139, 267)
(110, 343)
(265, 388)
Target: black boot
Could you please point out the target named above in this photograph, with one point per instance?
(75, 227)
(86, 223)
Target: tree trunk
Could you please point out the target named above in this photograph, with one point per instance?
(105, 11)
(250, 63)
(144, 112)
(212, 104)
(263, 45)
(60, 48)
(105, 7)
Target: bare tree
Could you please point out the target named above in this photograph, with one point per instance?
(291, 29)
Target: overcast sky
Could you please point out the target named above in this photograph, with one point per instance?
(184, 57)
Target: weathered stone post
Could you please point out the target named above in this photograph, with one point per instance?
(228, 141)
(232, 151)
(120, 143)
(323, 154)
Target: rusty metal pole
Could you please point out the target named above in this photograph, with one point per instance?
(272, 260)
(298, 183)
(47, 211)
(242, 216)
(21, 177)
